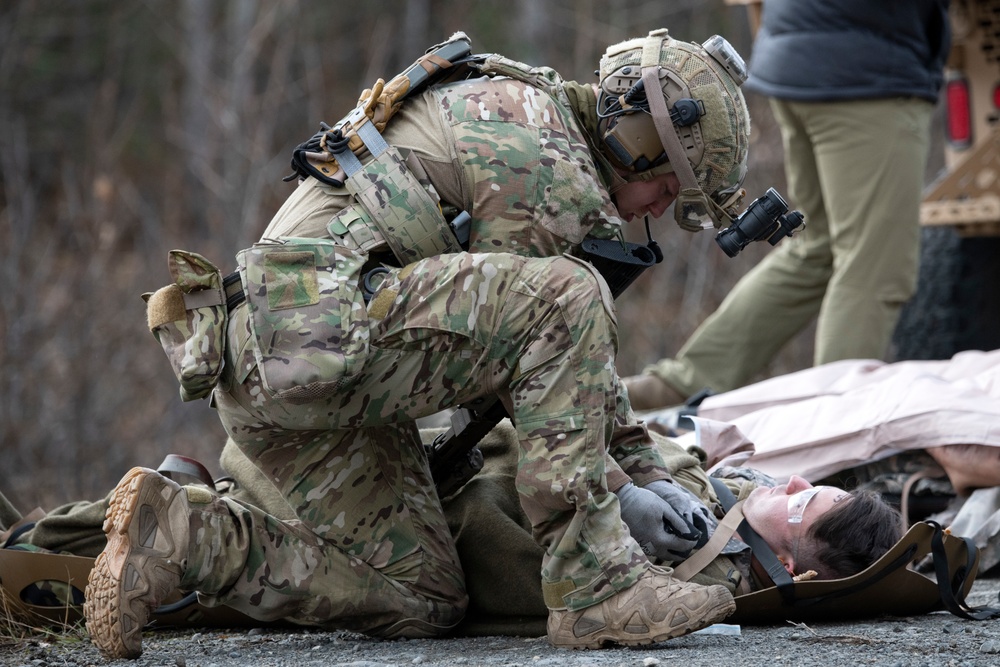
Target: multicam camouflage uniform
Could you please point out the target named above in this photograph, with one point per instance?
(514, 317)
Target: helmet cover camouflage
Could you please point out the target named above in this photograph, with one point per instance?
(717, 144)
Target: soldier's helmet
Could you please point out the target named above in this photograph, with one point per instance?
(700, 84)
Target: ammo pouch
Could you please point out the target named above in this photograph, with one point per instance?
(189, 319)
(397, 208)
(410, 220)
(307, 315)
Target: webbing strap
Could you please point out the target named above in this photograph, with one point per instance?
(185, 470)
(720, 538)
(665, 129)
(761, 550)
(347, 160)
(951, 590)
(651, 48)
(203, 298)
(373, 141)
(372, 137)
(233, 287)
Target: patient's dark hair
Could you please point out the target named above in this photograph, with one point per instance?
(852, 535)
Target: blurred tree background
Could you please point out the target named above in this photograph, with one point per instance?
(131, 128)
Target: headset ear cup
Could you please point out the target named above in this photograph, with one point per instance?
(633, 141)
(617, 150)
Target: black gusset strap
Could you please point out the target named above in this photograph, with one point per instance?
(233, 288)
(951, 588)
(9, 543)
(765, 556)
(184, 602)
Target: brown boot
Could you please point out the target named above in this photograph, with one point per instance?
(148, 536)
(648, 392)
(656, 608)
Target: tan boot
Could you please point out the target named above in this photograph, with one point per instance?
(656, 608)
(148, 535)
(648, 392)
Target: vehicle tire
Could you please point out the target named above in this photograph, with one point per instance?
(957, 303)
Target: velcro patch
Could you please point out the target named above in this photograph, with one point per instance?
(291, 279)
(164, 306)
(716, 123)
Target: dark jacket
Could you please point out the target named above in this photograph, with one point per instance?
(820, 50)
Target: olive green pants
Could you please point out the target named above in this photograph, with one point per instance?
(856, 170)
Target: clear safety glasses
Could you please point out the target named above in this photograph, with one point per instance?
(797, 503)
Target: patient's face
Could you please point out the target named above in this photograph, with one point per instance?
(783, 515)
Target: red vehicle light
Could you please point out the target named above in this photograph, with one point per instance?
(959, 125)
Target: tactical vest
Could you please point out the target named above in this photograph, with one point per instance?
(391, 211)
(397, 208)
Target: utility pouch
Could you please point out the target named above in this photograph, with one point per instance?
(404, 212)
(189, 318)
(307, 315)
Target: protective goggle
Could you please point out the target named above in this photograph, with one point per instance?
(797, 504)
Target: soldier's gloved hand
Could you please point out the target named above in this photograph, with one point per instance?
(659, 529)
(688, 505)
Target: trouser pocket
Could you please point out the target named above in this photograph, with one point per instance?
(307, 316)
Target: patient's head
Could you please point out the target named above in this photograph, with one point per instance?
(823, 528)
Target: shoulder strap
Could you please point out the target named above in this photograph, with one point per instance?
(448, 60)
(761, 551)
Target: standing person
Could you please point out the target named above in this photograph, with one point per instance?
(362, 310)
(853, 85)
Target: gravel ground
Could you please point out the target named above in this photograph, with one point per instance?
(934, 639)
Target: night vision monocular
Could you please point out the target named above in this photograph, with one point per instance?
(766, 219)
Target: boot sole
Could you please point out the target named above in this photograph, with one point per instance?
(113, 609)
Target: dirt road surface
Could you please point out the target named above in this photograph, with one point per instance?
(937, 639)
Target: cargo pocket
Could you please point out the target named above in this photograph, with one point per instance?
(188, 318)
(307, 316)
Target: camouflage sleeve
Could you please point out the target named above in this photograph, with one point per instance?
(636, 454)
(532, 186)
(739, 475)
(617, 478)
(633, 449)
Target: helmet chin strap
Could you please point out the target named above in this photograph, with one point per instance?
(617, 182)
(665, 128)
